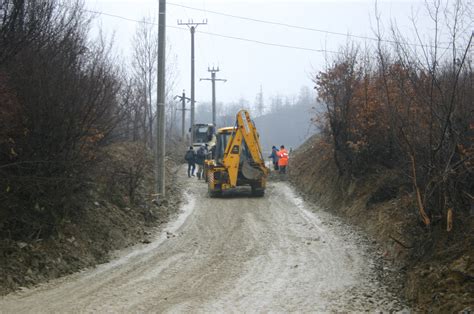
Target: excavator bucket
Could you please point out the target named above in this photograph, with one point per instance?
(251, 172)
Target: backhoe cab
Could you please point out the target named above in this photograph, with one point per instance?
(237, 159)
(203, 134)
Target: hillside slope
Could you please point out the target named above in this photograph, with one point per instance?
(102, 220)
(438, 266)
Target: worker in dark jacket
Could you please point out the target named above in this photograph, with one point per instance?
(201, 155)
(190, 158)
(274, 157)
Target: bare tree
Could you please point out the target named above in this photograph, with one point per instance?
(59, 93)
(145, 52)
(414, 104)
(172, 113)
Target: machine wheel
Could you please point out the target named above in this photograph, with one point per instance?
(258, 191)
(204, 171)
(213, 193)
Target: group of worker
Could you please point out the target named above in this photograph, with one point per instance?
(196, 157)
(279, 159)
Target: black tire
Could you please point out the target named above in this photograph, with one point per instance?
(257, 191)
(211, 193)
(204, 171)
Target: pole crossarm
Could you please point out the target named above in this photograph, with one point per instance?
(192, 27)
(183, 109)
(209, 79)
(213, 79)
(190, 23)
(181, 98)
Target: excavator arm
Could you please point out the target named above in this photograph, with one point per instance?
(244, 131)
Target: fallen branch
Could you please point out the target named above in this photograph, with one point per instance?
(400, 242)
(421, 208)
(449, 220)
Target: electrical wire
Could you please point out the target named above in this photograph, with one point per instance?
(266, 43)
(213, 44)
(214, 34)
(299, 27)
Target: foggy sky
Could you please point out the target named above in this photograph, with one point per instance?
(247, 65)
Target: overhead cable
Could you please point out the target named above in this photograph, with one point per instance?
(301, 27)
(215, 34)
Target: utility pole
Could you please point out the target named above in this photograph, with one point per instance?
(160, 104)
(183, 99)
(192, 27)
(213, 79)
(259, 101)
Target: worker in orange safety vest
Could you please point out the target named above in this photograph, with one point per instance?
(283, 161)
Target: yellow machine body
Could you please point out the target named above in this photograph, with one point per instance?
(237, 159)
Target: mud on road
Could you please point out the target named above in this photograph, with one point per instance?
(235, 253)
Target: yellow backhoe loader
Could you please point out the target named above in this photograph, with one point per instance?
(237, 159)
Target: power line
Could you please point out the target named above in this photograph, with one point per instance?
(209, 27)
(263, 42)
(214, 34)
(300, 27)
(270, 22)
(267, 43)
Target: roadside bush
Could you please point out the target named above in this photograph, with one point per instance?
(406, 112)
(58, 103)
(124, 168)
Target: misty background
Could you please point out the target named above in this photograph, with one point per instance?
(268, 51)
(280, 120)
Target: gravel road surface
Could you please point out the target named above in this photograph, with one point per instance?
(231, 254)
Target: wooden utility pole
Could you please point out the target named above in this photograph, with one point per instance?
(183, 99)
(160, 104)
(192, 27)
(213, 80)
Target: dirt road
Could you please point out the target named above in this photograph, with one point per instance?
(230, 254)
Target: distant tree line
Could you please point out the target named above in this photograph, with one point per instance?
(408, 106)
(259, 107)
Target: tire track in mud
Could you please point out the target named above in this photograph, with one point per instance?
(235, 253)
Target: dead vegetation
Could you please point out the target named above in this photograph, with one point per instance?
(409, 110)
(397, 133)
(436, 266)
(75, 146)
